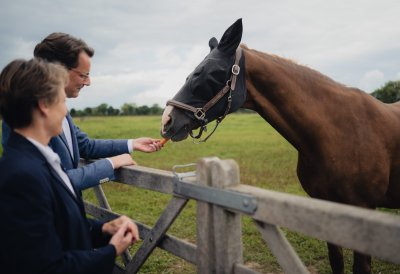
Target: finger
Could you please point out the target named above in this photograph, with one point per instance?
(135, 234)
(128, 238)
(123, 228)
(157, 145)
(153, 147)
(134, 238)
(132, 228)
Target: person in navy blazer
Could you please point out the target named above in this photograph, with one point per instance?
(73, 144)
(43, 222)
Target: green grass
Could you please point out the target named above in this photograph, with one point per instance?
(266, 160)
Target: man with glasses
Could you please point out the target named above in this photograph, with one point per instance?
(72, 144)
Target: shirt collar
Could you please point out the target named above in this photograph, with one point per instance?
(47, 152)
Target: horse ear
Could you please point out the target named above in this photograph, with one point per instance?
(213, 43)
(231, 38)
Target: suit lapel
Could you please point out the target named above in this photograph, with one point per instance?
(65, 142)
(74, 140)
(64, 139)
(20, 143)
(77, 198)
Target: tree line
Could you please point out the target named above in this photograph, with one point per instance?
(126, 109)
(389, 93)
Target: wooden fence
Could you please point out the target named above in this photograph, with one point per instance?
(221, 200)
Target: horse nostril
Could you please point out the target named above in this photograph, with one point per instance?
(166, 125)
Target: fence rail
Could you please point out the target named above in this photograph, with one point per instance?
(221, 200)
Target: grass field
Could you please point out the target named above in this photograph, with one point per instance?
(266, 160)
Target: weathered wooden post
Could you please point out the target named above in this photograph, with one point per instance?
(219, 232)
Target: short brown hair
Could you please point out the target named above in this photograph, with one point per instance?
(23, 83)
(62, 48)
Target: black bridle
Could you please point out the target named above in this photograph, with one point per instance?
(200, 113)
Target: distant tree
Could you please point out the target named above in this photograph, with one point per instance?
(143, 110)
(112, 111)
(128, 109)
(156, 110)
(100, 110)
(72, 112)
(87, 111)
(389, 93)
(79, 113)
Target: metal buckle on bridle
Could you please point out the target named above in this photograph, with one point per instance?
(235, 69)
(200, 114)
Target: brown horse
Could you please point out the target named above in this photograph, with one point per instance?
(348, 142)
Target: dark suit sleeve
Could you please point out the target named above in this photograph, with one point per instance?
(98, 238)
(28, 229)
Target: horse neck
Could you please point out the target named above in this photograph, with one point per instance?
(286, 95)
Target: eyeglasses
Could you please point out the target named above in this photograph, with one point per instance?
(84, 76)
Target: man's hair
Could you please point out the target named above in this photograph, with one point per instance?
(62, 48)
(23, 83)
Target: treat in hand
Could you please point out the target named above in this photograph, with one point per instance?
(163, 141)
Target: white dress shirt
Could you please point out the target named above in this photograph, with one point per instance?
(67, 133)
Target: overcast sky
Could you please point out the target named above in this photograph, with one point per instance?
(145, 49)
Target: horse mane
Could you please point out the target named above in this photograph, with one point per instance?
(306, 72)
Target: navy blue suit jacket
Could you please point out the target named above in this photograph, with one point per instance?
(43, 226)
(89, 175)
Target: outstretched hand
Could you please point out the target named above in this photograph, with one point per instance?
(146, 144)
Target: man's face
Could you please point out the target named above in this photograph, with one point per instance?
(79, 76)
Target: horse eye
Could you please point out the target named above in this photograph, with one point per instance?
(198, 71)
(194, 74)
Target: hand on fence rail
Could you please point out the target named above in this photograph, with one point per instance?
(122, 160)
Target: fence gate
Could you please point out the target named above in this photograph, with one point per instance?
(221, 200)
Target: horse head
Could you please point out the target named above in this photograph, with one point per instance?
(215, 88)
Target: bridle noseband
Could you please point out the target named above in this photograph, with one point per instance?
(200, 113)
